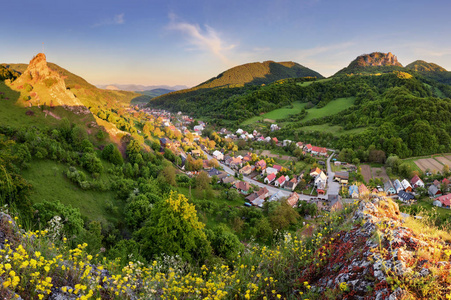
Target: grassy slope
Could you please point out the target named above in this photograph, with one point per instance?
(50, 184)
(332, 108)
(334, 129)
(307, 83)
(277, 114)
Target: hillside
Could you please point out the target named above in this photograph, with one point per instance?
(258, 73)
(87, 93)
(372, 252)
(431, 71)
(376, 62)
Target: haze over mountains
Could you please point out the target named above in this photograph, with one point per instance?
(140, 88)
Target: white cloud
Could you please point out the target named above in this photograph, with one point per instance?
(116, 20)
(206, 39)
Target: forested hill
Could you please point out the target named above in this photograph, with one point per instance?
(259, 73)
(431, 71)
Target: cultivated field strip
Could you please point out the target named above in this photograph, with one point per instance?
(444, 160)
(429, 163)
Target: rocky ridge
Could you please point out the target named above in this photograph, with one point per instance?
(53, 92)
(380, 258)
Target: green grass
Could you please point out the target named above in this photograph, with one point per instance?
(307, 83)
(332, 108)
(50, 184)
(334, 129)
(411, 163)
(277, 114)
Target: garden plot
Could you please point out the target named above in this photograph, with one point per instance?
(444, 160)
(429, 163)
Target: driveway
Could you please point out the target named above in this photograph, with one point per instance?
(333, 186)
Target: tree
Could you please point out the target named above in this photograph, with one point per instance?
(203, 181)
(224, 243)
(213, 163)
(174, 229)
(169, 174)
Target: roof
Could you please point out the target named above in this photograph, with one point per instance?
(308, 146)
(229, 179)
(446, 181)
(271, 177)
(405, 196)
(213, 172)
(445, 200)
(275, 139)
(262, 191)
(363, 189)
(353, 189)
(246, 169)
(281, 179)
(261, 163)
(343, 175)
(242, 185)
(319, 149)
(415, 179)
(436, 183)
(277, 167)
(290, 184)
(217, 153)
(433, 190)
(316, 170)
(397, 185)
(388, 185)
(236, 160)
(405, 184)
(293, 199)
(252, 197)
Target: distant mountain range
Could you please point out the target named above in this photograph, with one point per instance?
(140, 88)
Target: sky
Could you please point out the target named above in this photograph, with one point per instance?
(186, 42)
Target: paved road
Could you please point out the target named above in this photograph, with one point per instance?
(333, 187)
(271, 189)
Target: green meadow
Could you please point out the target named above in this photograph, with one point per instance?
(277, 114)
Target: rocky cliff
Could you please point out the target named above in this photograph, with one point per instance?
(45, 85)
(383, 256)
(376, 62)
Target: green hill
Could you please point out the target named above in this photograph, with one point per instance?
(156, 92)
(431, 71)
(258, 73)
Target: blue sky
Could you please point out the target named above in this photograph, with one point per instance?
(187, 42)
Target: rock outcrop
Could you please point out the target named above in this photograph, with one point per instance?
(379, 257)
(52, 91)
(377, 59)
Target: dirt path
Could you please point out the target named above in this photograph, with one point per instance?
(366, 172)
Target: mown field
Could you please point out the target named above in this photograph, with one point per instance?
(277, 114)
(334, 129)
(332, 108)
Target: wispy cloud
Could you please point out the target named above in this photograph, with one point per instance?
(207, 39)
(115, 20)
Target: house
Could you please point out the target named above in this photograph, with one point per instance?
(437, 203)
(164, 142)
(261, 164)
(195, 152)
(397, 185)
(353, 191)
(274, 127)
(277, 167)
(405, 197)
(280, 181)
(315, 172)
(263, 192)
(275, 140)
(335, 202)
(206, 165)
(270, 170)
(434, 191)
(363, 190)
(213, 172)
(321, 180)
(235, 162)
(218, 155)
(239, 131)
(436, 183)
(293, 199)
(308, 148)
(388, 188)
(247, 157)
(246, 170)
(270, 178)
(300, 145)
(337, 163)
(198, 128)
(229, 179)
(445, 200)
(286, 142)
(319, 151)
(258, 202)
(406, 186)
(341, 177)
(291, 185)
(416, 182)
(222, 175)
(243, 187)
(267, 139)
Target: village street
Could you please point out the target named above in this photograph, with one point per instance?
(271, 189)
(333, 187)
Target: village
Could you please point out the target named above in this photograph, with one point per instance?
(258, 177)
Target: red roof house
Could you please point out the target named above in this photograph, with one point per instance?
(270, 178)
(445, 200)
